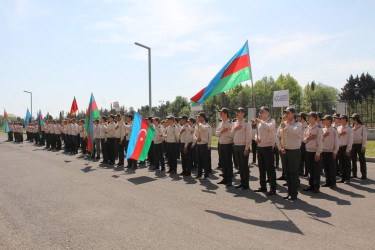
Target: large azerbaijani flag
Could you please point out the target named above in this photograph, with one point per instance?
(140, 138)
(40, 124)
(237, 70)
(5, 124)
(91, 114)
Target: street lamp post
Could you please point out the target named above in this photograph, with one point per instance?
(149, 74)
(31, 97)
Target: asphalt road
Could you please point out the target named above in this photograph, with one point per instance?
(50, 200)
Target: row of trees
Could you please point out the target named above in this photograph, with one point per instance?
(358, 92)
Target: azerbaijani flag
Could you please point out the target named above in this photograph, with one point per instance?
(91, 114)
(40, 124)
(74, 108)
(5, 124)
(140, 138)
(28, 115)
(237, 70)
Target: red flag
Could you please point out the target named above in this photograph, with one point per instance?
(74, 108)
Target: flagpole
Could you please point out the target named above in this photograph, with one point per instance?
(251, 74)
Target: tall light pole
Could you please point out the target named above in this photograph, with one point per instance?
(31, 97)
(149, 74)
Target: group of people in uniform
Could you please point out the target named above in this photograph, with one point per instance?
(309, 145)
(15, 131)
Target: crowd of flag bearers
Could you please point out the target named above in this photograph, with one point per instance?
(309, 145)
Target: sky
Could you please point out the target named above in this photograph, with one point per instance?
(61, 49)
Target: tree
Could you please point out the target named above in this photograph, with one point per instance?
(177, 105)
(295, 90)
(319, 97)
(263, 90)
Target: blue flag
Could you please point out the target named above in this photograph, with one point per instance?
(27, 117)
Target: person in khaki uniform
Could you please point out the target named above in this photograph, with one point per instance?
(330, 149)
(346, 143)
(158, 145)
(313, 137)
(359, 146)
(186, 141)
(241, 133)
(289, 143)
(265, 139)
(225, 138)
(172, 138)
(120, 140)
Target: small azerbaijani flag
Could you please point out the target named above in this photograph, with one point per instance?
(74, 108)
(91, 114)
(140, 138)
(28, 115)
(237, 70)
(40, 124)
(5, 124)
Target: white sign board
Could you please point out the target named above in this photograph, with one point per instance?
(251, 113)
(196, 108)
(281, 98)
(116, 106)
(341, 108)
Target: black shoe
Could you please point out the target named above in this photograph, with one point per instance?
(316, 190)
(154, 169)
(237, 172)
(187, 174)
(237, 187)
(308, 189)
(260, 190)
(198, 176)
(281, 178)
(245, 188)
(285, 184)
(182, 173)
(127, 166)
(228, 184)
(271, 192)
(206, 177)
(268, 180)
(326, 185)
(222, 182)
(292, 198)
(347, 181)
(342, 181)
(162, 170)
(169, 171)
(286, 197)
(333, 186)
(354, 176)
(363, 177)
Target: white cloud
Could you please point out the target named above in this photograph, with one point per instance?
(171, 26)
(287, 44)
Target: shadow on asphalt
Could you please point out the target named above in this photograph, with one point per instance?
(87, 169)
(141, 180)
(287, 226)
(347, 192)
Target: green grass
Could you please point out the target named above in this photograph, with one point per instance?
(370, 149)
(214, 141)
